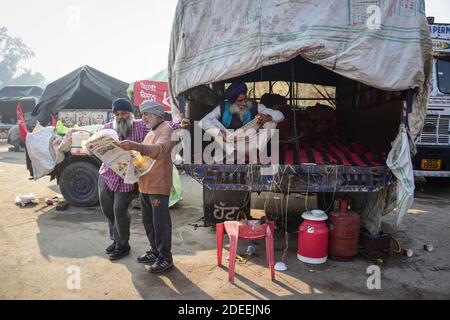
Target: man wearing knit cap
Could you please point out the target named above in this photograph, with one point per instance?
(237, 111)
(114, 194)
(155, 186)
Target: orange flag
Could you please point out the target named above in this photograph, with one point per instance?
(23, 131)
(53, 121)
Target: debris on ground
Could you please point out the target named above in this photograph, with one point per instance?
(239, 259)
(379, 261)
(26, 200)
(408, 252)
(57, 198)
(62, 205)
(202, 225)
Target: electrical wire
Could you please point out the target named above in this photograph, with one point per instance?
(286, 233)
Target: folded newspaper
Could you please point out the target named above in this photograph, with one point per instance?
(129, 165)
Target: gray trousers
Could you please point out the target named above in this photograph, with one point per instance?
(115, 208)
(157, 224)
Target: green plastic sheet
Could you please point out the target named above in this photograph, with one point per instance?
(176, 193)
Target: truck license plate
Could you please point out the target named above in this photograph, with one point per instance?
(431, 164)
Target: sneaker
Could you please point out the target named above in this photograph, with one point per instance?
(119, 253)
(110, 248)
(148, 257)
(160, 266)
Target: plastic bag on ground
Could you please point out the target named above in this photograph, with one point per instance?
(24, 200)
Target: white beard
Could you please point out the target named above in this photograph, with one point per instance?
(123, 128)
(234, 109)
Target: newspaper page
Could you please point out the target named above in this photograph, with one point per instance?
(238, 136)
(239, 133)
(129, 165)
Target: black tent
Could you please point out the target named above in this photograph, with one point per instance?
(10, 97)
(84, 88)
(15, 93)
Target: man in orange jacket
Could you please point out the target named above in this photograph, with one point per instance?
(154, 187)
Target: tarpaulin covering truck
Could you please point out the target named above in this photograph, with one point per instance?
(10, 96)
(370, 62)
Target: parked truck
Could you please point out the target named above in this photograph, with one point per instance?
(433, 158)
(293, 49)
(10, 97)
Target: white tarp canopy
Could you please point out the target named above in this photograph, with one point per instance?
(383, 44)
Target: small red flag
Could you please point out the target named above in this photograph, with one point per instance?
(53, 121)
(23, 131)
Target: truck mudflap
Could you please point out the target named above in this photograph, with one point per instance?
(290, 178)
(427, 173)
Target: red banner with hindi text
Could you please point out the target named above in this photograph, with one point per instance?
(151, 90)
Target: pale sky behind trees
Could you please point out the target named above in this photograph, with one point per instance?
(127, 39)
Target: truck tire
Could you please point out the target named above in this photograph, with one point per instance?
(78, 183)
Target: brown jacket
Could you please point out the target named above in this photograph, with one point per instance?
(158, 146)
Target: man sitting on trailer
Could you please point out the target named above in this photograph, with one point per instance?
(236, 112)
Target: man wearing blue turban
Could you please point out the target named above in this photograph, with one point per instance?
(237, 111)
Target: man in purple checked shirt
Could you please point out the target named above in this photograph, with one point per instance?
(114, 194)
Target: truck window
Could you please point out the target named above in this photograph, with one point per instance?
(443, 75)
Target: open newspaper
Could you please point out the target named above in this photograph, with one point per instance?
(242, 135)
(129, 165)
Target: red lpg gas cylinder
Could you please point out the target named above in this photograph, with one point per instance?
(344, 233)
(313, 238)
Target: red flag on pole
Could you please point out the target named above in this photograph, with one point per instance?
(23, 131)
(53, 121)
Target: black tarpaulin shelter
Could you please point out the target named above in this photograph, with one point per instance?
(10, 97)
(84, 88)
(15, 93)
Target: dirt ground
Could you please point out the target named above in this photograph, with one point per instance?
(40, 247)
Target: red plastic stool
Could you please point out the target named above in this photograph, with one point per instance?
(246, 231)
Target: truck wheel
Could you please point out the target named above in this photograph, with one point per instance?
(78, 183)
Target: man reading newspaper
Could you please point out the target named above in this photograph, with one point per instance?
(115, 194)
(237, 112)
(155, 186)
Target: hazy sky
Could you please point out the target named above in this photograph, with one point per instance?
(126, 39)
